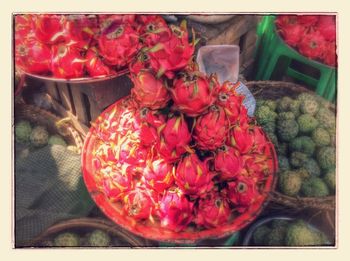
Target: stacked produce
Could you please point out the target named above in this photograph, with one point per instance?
(180, 151)
(280, 232)
(312, 35)
(303, 131)
(75, 46)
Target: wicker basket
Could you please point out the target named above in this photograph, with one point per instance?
(54, 124)
(86, 225)
(274, 90)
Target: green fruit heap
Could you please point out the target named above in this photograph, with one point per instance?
(67, 239)
(303, 131)
(98, 238)
(39, 136)
(23, 131)
(280, 232)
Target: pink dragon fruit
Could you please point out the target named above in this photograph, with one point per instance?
(159, 175)
(308, 20)
(286, 20)
(193, 176)
(153, 29)
(139, 203)
(242, 193)
(149, 91)
(213, 210)
(312, 45)
(257, 166)
(176, 133)
(139, 63)
(173, 54)
(326, 26)
(118, 44)
(329, 56)
(33, 56)
(107, 21)
(260, 141)
(290, 29)
(23, 27)
(169, 153)
(95, 66)
(194, 93)
(211, 129)
(175, 211)
(242, 138)
(116, 179)
(67, 62)
(49, 28)
(227, 162)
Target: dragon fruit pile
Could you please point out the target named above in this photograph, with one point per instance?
(180, 151)
(75, 46)
(312, 35)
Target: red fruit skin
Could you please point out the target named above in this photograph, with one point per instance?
(330, 56)
(308, 20)
(33, 56)
(172, 54)
(169, 153)
(119, 46)
(213, 210)
(228, 163)
(286, 20)
(149, 91)
(175, 211)
(176, 133)
(159, 175)
(67, 62)
(49, 28)
(326, 26)
(193, 176)
(195, 96)
(108, 21)
(292, 34)
(153, 30)
(23, 26)
(242, 193)
(139, 63)
(242, 138)
(115, 181)
(312, 45)
(257, 166)
(138, 203)
(95, 66)
(211, 129)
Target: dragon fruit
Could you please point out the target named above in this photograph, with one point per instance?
(95, 66)
(159, 174)
(175, 210)
(173, 54)
(67, 62)
(118, 44)
(242, 193)
(107, 21)
(242, 138)
(312, 45)
(33, 56)
(194, 93)
(193, 176)
(23, 26)
(169, 153)
(153, 29)
(257, 166)
(308, 20)
(49, 28)
(326, 26)
(213, 210)
(139, 63)
(329, 56)
(176, 133)
(227, 162)
(139, 203)
(149, 91)
(211, 129)
(115, 180)
(290, 29)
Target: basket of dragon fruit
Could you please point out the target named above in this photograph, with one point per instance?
(179, 160)
(302, 126)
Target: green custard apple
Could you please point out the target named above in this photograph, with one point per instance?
(326, 157)
(99, 238)
(294, 107)
(67, 239)
(264, 114)
(314, 187)
(311, 166)
(260, 235)
(300, 234)
(297, 159)
(321, 137)
(283, 104)
(326, 118)
(57, 140)
(309, 106)
(287, 129)
(303, 144)
(277, 236)
(330, 179)
(39, 136)
(23, 131)
(307, 123)
(289, 183)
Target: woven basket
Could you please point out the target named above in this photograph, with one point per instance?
(54, 124)
(86, 225)
(274, 90)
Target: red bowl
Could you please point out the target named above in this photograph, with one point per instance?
(154, 231)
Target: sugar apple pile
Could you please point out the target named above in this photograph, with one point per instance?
(303, 131)
(280, 232)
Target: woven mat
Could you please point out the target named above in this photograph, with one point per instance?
(48, 188)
